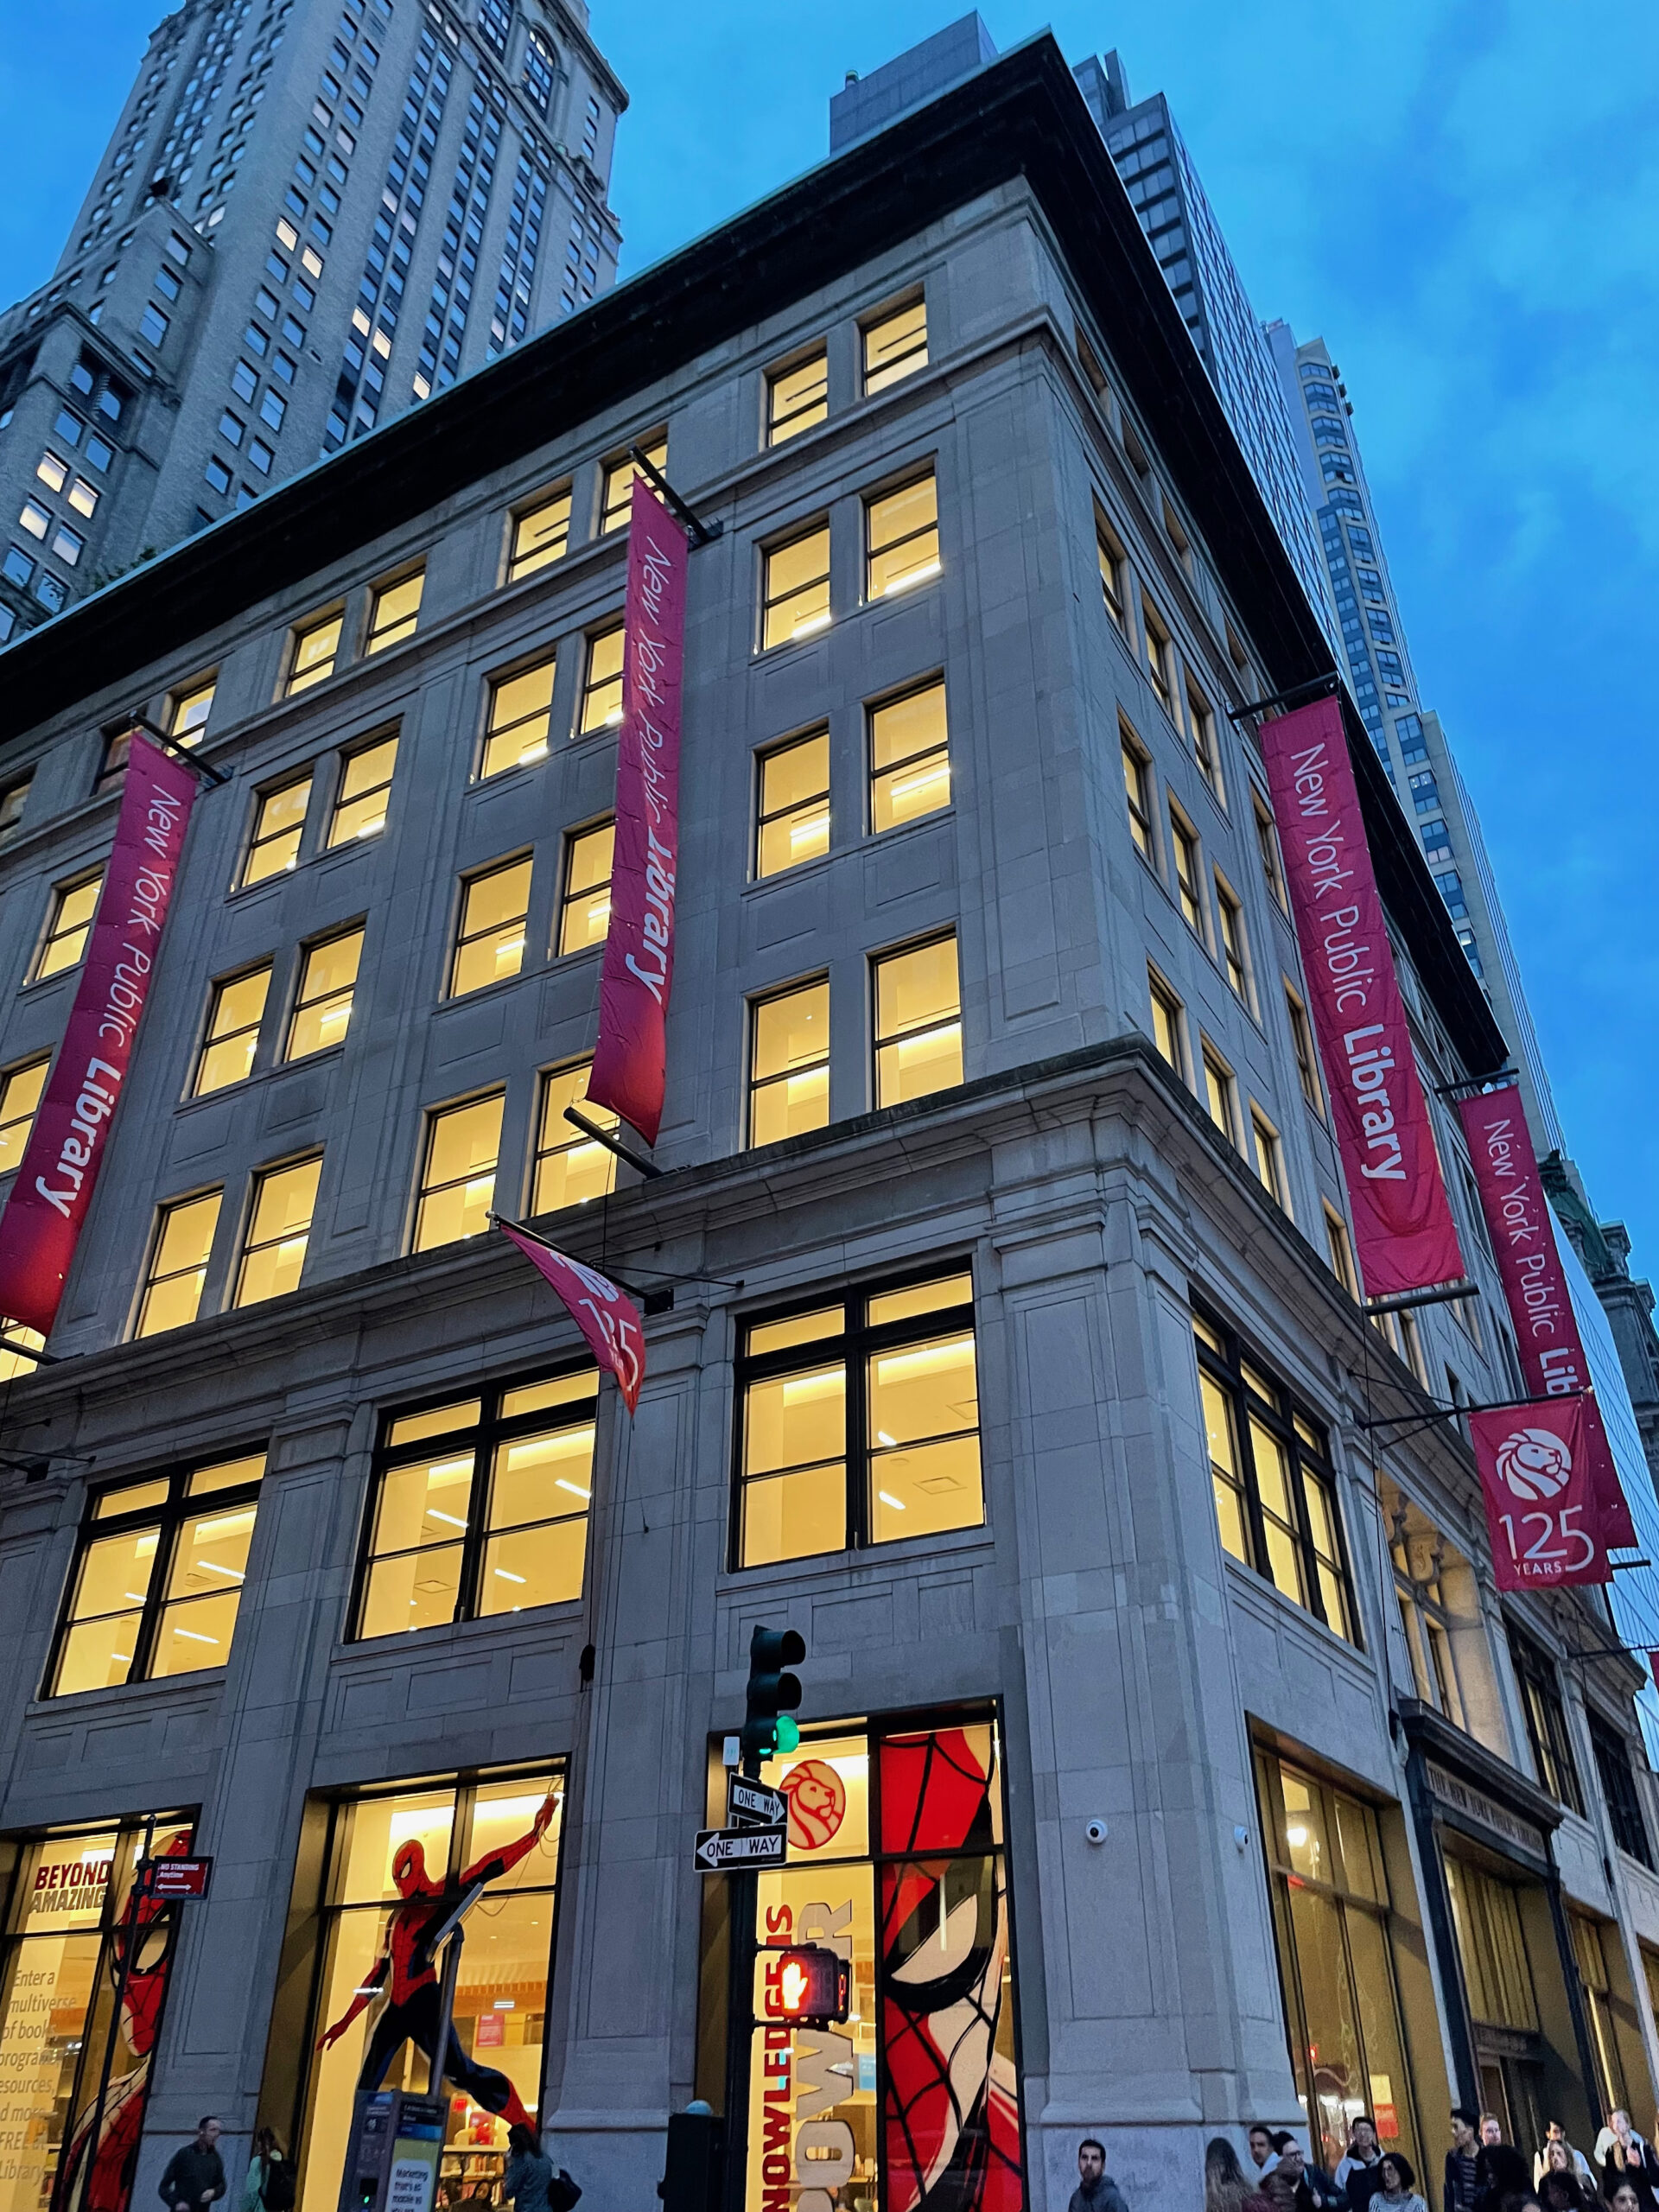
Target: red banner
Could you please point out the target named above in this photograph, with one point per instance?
(631, 1056)
(1543, 1511)
(50, 1198)
(1523, 1231)
(609, 1321)
(1404, 1234)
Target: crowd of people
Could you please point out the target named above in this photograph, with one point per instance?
(1483, 2173)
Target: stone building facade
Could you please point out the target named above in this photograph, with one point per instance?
(1185, 1767)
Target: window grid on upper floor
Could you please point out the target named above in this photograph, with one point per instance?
(602, 686)
(491, 930)
(278, 827)
(798, 397)
(901, 534)
(795, 587)
(616, 500)
(315, 649)
(585, 901)
(1545, 1719)
(1137, 791)
(518, 719)
(365, 788)
(918, 1010)
(1167, 1025)
(541, 535)
(20, 1098)
(894, 345)
(910, 757)
(789, 1062)
(458, 1158)
(395, 612)
(69, 924)
(181, 1248)
(322, 1003)
(279, 1230)
(568, 1167)
(793, 803)
(236, 1009)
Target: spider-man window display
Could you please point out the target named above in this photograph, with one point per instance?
(913, 2106)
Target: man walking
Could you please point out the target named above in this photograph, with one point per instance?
(1460, 2188)
(196, 2174)
(1095, 2190)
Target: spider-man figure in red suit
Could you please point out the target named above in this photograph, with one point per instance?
(950, 2114)
(414, 2001)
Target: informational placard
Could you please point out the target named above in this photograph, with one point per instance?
(174, 1877)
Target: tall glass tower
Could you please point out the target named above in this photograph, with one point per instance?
(311, 214)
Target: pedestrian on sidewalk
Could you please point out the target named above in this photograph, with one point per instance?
(269, 2183)
(1095, 2190)
(195, 2173)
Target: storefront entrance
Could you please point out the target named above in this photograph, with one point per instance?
(383, 1858)
(896, 1860)
(83, 1985)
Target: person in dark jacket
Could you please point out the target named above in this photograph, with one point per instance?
(1458, 2190)
(1624, 2156)
(1356, 2174)
(1295, 2186)
(1501, 2176)
(1095, 2190)
(196, 2174)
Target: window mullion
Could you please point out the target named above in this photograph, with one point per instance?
(858, 1343)
(150, 1620)
(478, 1512)
(1309, 1550)
(1262, 1562)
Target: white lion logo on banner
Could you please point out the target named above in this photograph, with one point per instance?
(1534, 1462)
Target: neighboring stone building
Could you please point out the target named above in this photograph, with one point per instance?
(1173, 1759)
(308, 218)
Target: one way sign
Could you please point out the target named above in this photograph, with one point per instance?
(753, 1804)
(720, 1849)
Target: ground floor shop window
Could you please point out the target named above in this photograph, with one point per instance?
(83, 1983)
(896, 1860)
(1331, 1923)
(395, 1865)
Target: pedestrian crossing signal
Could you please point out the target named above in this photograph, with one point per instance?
(808, 1985)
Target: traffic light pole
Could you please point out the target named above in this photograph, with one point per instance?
(743, 1891)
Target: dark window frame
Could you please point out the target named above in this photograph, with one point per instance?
(489, 1431)
(1280, 1417)
(1619, 1792)
(1546, 1718)
(852, 1346)
(169, 1517)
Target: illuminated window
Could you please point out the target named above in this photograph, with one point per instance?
(1166, 1026)
(1340, 1251)
(279, 1228)
(917, 1021)
(490, 934)
(795, 587)
(797, 397)
(541, 535)
(1113, 563)
(1230, 921)
(322, 1006)
(52, 472)
(278, 825)
(1137, 791)
(1186, 873)
(1276, 1496)
(794, 800)
(457, 1190)
(480, 1506)
(191, 709)
(1220, 1093)
(365, 787)
(520, 713)
(1202, 723)
(1267, 843)
(458, 1824)
(20, 1096)
(824, 1467)
(1270, 1158)
(315, 649)
(602, 689)
(910, 758)
(1302, 1038)
(901, 538)
(395, 612)
(234, 1013)
(895, 346)
(1160, 655)
(158, 1575)
(178, 1265)
(1547, 1733)
(618, 501)
(570, 1168)
(585, 907)
(70, 924)
(789, 1063)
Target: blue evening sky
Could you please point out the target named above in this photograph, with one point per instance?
(1459, 195)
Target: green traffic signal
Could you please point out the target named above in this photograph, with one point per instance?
(772, 1694)
(786, 1737)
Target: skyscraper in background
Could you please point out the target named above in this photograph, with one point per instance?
(310, 215)
(1151, 156)
(1410, 740)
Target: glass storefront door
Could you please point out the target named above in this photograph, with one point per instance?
(396, 1862)
(83, 1981)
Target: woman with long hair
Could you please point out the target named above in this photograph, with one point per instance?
(1226, 2188)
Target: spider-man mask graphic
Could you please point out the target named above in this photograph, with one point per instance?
(950, 2114)
(408, 1870)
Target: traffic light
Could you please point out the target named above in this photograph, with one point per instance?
(772, 1695)
(809, 1985)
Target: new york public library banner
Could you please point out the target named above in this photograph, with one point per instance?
(1404, 1236)
(49, 1201)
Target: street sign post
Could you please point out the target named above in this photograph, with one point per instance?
(174, 1877)
(754, 1805)
(743, 1848)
